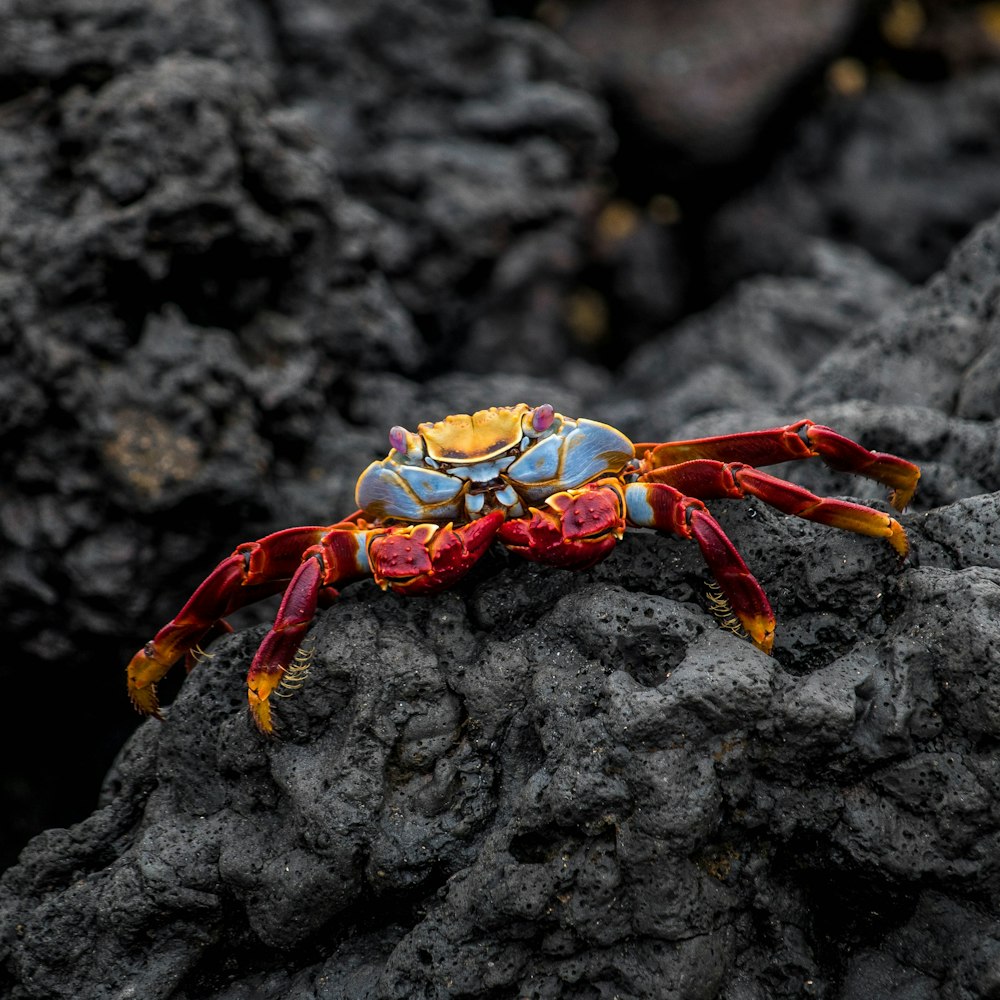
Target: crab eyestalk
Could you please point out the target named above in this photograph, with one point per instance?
(405, 442)
(541, 420)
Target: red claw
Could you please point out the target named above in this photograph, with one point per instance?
(423, 558)
(577, 530)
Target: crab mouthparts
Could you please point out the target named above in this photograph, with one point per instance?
(492, 495)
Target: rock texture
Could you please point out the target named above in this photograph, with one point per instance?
(901, 171)
(216, 217)
(243, 240)
(551, 784)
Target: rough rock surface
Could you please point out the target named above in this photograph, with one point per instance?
(551, 784)
(215, 217)
(241, 241)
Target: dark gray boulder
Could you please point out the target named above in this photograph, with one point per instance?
(552, 784)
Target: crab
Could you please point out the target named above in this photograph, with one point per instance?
(558, 490)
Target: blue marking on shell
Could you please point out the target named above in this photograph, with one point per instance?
(638, 509)
(482, 472)
(581, 451)
(539, 464)
(591, 450)
(386, 489)
(430, 486)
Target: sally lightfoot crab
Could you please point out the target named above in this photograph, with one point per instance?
(554, 489)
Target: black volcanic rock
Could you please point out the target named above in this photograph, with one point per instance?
(541, 782)
(240, 241)
(903, 170)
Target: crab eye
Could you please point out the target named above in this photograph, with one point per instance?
(397, 439)
(542, 417)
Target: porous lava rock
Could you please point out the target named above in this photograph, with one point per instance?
(240, 241)
(551, 784)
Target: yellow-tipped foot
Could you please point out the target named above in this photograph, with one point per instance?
(904, 486)
(145, 700)
(897, 538)
(142, 673)
(761, 632)
(260, 705)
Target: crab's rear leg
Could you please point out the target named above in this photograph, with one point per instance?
(714, 480)
(659, 505)
(254, 571)
(800, 440)
(409, 559)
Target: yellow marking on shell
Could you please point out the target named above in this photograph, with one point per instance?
(475, 437)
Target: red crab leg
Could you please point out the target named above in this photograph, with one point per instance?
(255, 570)
(574, 530)
(710, 479)
(803, 439)
(412, 559)
(339, 556)
(657, 505)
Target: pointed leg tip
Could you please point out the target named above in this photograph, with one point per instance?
(902, 494)
(260, 712)
(761, 632)
(897, 539)
(900, 499)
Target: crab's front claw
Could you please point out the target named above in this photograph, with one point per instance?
(422, 558)
(578, 528)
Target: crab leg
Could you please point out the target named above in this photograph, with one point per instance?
(800, 440)
(658, 505)
(418, 558)
(254, 571)
(710, 480)
(339, 556)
